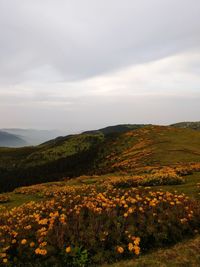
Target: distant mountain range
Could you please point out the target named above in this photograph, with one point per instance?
(26, 137)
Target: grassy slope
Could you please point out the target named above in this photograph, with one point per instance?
(182, 144)
(153, 145)
(177, 145)
(166, 145)
(10, 157)
(100, 153)
(47, 152)
(184, 254)
(58, 148)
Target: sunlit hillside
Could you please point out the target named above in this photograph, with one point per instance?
(99, 152)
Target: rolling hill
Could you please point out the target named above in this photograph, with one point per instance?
(99, 152)
(11, 140)
(121, 128)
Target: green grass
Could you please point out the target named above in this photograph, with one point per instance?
(19, 199)
(176, 145)
(189, 187)
(183, 254)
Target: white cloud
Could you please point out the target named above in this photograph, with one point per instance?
(90, 63)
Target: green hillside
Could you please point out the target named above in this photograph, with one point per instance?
(121, 128)
(99, 152)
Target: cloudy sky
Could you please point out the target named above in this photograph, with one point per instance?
(85, 64)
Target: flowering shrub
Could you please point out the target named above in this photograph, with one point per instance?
(27, 190)
(158, 177)
(164, 176)
(187, 169)
(78, 226)
(38, 188)
(4, 198)
(152, 175)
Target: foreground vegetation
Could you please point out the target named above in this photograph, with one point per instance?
(83, 225)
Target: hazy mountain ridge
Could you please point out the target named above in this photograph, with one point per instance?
(11, 140)
(32, 136)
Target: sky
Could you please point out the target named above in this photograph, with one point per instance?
(85, 64)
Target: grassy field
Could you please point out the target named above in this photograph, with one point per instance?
(183, 254)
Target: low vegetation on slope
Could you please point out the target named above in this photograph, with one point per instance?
(128, 152)
(186, 254)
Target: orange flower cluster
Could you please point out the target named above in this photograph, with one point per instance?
(115, 222)
(165, 176)
(186, 169)
(4, 198)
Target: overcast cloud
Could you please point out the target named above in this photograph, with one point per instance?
(85, 64)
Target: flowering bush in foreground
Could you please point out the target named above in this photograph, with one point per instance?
(81, 226)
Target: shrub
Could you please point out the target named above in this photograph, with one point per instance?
(158, 177)
(84, 225)
(4, 198)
